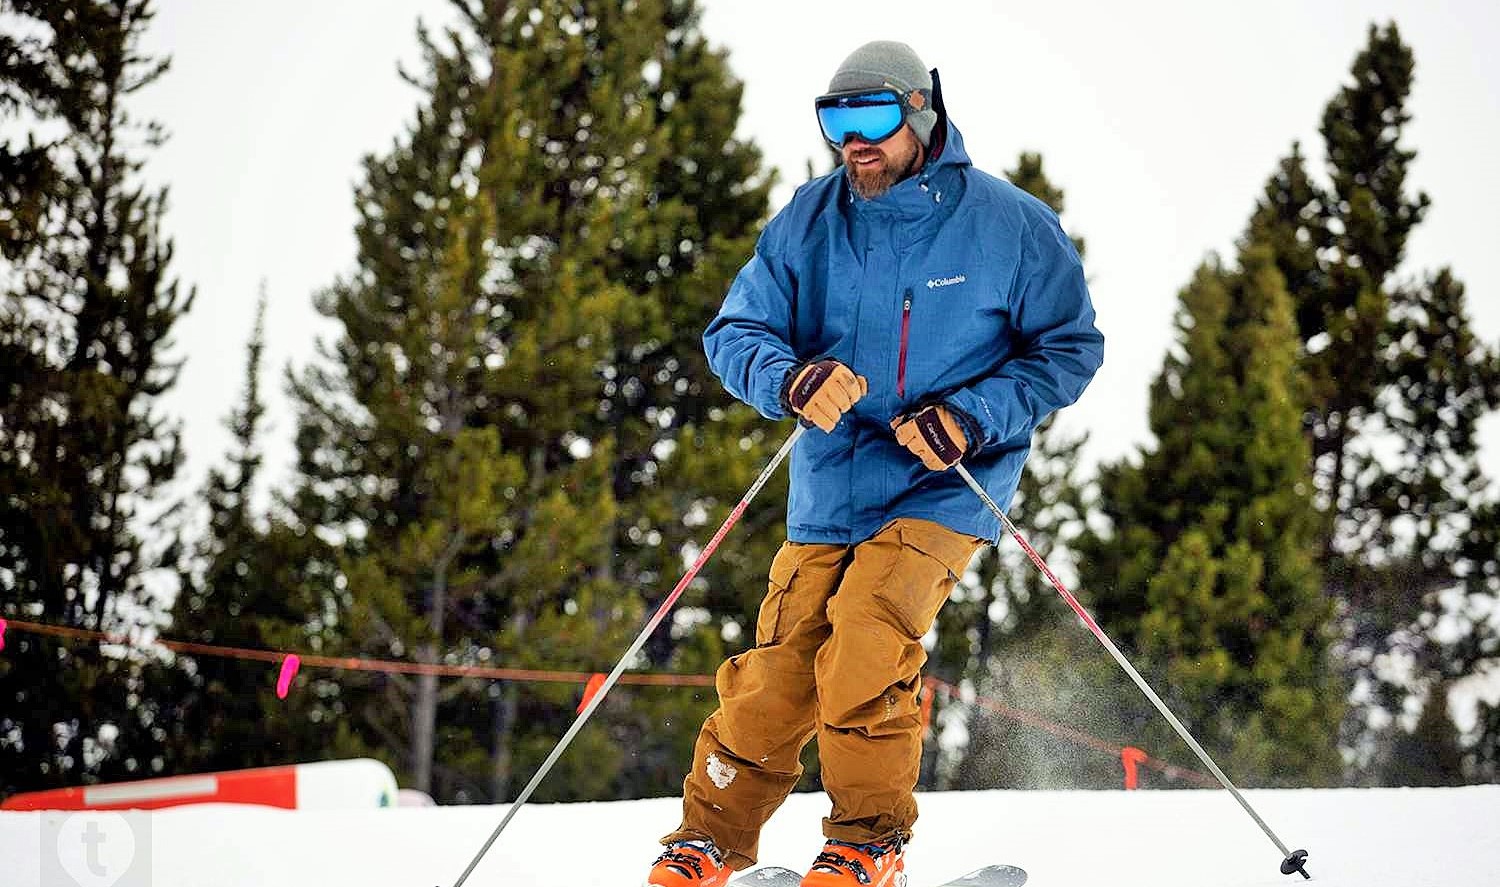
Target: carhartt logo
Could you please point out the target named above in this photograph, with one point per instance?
(945, 281)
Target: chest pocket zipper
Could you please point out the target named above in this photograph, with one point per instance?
(905, 337)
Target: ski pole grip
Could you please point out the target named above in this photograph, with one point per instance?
(1297, 862)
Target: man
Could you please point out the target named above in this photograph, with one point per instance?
(919, 312)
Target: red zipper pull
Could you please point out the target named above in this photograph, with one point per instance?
(905, 335)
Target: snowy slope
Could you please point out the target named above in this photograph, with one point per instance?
(1357, 838)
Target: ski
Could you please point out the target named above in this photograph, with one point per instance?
(770, 876)
(989, 876)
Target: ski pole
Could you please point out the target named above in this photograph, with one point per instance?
(1291, 861)
(640, 641)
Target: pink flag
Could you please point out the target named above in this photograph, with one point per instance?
(289, 667)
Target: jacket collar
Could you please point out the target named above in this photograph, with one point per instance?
(923, 193)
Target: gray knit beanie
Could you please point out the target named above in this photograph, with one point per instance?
(883, 63)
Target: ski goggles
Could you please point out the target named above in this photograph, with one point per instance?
(873, 115)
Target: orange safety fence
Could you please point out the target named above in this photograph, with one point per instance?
(1130, 757)
(389, 666)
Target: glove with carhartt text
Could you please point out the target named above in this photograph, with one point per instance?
(934, 434)
(822, 391)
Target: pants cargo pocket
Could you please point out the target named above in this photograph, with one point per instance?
(793, 613)
(783, 570)
(930, 560)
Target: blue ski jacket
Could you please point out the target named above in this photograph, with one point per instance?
(954, 286)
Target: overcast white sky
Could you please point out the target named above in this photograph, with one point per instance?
(1161, 120)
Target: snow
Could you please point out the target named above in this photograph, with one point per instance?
(1356, 838)
(721, 773)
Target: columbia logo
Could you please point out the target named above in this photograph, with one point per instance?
(945, 281)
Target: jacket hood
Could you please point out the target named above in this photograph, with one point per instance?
(947, 148)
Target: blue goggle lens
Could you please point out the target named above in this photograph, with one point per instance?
(874, 116)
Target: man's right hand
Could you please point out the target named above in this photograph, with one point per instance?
(822, 391)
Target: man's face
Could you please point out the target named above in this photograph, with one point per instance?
(873, 169)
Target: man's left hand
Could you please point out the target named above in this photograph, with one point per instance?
(933, 435)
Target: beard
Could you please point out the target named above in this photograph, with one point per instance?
(873, 181)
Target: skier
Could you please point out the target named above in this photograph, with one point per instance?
(918, 312)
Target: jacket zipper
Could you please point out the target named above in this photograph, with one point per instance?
(905, 335)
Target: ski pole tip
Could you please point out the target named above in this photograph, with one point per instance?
(1297, 862)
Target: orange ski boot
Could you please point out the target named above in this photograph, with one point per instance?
(859, 865)
(689, 864)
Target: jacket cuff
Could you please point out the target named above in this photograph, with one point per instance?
(784, 394)
(973, 433)
(767, 393)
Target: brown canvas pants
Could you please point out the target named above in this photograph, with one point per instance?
(837, 655)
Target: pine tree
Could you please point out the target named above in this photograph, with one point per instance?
(1337, 246)
(217, 723)
(84, 451)
(1367, 217)
(1392, 366)
(248, 586)
(519, 374)
(1209, 575)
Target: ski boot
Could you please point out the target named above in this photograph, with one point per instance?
(843, 864)
(689, 864)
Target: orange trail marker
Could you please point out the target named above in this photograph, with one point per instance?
(590, 689)
(1130, 756)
